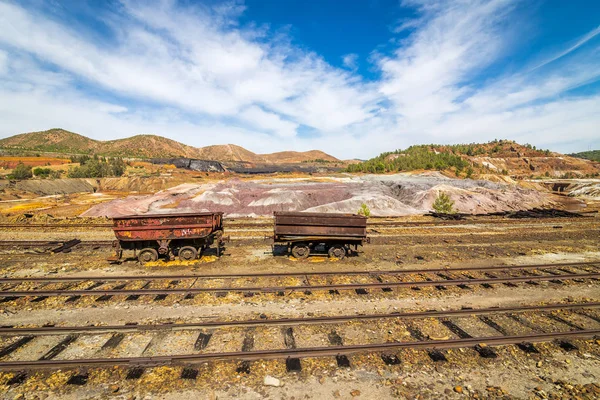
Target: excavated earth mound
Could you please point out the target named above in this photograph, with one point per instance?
(389, 195)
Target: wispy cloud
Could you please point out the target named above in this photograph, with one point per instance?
(583, 40)
(194, 74)
(350, 61)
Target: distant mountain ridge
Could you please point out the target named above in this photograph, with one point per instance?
(149, 146)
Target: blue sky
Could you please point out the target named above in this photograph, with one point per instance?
(353, 78)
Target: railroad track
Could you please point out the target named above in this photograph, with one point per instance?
(375, 232)
(373, 223)
(50, 243)
(361, 282)
(70, 347)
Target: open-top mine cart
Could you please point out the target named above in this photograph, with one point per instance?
(306, 233)
(168, 235)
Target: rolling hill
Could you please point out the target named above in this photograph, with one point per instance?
(148, 146)
(229, 152)
(500, 157)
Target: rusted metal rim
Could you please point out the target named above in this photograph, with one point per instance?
(272, 289)
(297, 353)
(53, 330)
(292, 274)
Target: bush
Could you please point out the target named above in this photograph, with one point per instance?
(443, 204)
(469, 173)
(364, 210)
(42, 172)
(21, 171)
(97, 168)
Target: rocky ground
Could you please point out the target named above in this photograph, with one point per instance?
(385, 195)
(551, 373)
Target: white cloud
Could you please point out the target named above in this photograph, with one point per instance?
(195, 75)
(424, 77)
(350, 61)
(583, 40)
(3, 62)
(269, 121)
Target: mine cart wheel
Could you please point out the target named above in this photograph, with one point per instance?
(187, 253)
(147, 255)
(337, 251)
(300, 250)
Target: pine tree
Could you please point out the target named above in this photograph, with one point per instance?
(443, 204)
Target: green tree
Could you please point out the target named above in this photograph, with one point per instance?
(98, 168)
(364, 210)
(443, 204)
(42, 172)
(469, 172)
(21, 171)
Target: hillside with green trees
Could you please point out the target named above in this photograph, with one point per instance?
(96, 167)
(413, 158)
(593, 155)
(446, 157)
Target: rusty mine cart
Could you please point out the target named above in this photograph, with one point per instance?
(183, 235)
(309, 233)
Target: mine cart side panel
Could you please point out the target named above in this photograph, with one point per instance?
(320, 219)
(167, 227)
(323, 225)
(344, 231)
(163, 234)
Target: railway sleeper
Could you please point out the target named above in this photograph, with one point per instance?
(435, 355)
(292, 364)
(113, 341)
(484, 351)
(248, 345)
(492, 276)
(16, 345)
(189, 373)
(390, 359)
(135, 373)
(336, 340)
(18, 379)
(449, 278)
(58, 348)
(78, 379)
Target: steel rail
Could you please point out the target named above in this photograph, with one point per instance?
(54, 330)
(293, 274)
(7, 243)
(272, 289)
(77, 225)
(297, 353)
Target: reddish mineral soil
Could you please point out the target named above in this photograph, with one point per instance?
(388, 195)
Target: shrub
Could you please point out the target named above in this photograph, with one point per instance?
(97, 168)
(469, 173)
(364, 210)
(443, 204)
(42, 172)
(20, 172)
